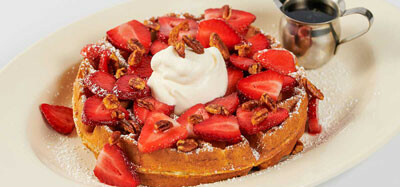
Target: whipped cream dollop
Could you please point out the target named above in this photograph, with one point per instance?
(185, 82)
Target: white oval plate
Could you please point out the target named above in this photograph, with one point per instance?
(359, 114)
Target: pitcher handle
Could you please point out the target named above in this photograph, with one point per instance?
(362, 11)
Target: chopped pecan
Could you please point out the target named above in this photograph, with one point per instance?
(114, 57)
(312, 89)
(186, 145)
(163, 125)
(117, 114)
(174, 34)
(194, 44)
(259, 116)
(268, 101)
(226, 12)
(217, 109)
(145, 104)
(243, 49)
(135, 45)
(216, 41)
(255, 68)
(131, 126)
(252, 31)
(135, 58)
(111, 102)
(192, 17)
(120, 72)
(251, 105)
(137, 83)
(114, 138)
(195, 119)
(152, 25)
(180, 48)
(297, 148)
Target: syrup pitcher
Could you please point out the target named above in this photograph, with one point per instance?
(311, 28)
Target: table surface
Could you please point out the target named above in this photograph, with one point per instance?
(25, 22)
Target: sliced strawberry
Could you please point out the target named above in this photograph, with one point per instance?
(242, 63)
(157, 46)
(142, 113)
(91, 51)
(104, 59)
(168, 23)
(288, 83)
(254, 86)
(58, 117)
(120, 35)
(184, 118)
(225, 32)
(239, 20)
(124, 91)
(219, 128)
(100, 83)
(230, 102)
(279, 60)
(114, 168)
(273, 119)
(313, 125)
(258, 42)
(151, 139)
(143, 70)
(234, 76)
(95, 113)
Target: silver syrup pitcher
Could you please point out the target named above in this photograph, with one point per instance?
(315, 43)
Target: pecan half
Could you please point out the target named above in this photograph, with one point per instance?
(251, 105)
(194, 44)
(259, 116)
(255, 68)
(120, 72)
(180, 48)
(117, 114)
(135, 58)
(135, 45)
(163, 125)
(145, 104)
(312, 89)
(114, 138)
(111, 102)
(195, 119)
(186, 145)
(243, 49)
(216, 41)
(216, 109)
(152, 25)
(131, 126)
(268, 102)
(137, 83)
(297, 148)
(226, 12)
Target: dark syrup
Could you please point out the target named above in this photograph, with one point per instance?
(310, 12)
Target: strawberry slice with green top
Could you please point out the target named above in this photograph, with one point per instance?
(157, 46)
(159, 132)
(279, 60)
(273, 119)
(130, 87)
(58, 117)
(230, 102)
(120, 35)
(143, 69)
(114, 168)
(143, 107)
(95, 112)
(167, 23)
(239, 20)
(313, 120)
(258, 42)
(255, 86)
(242, 63)
(219, 128)
(234, 75)
(184, 119)
(100, 83)
(225, 32)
